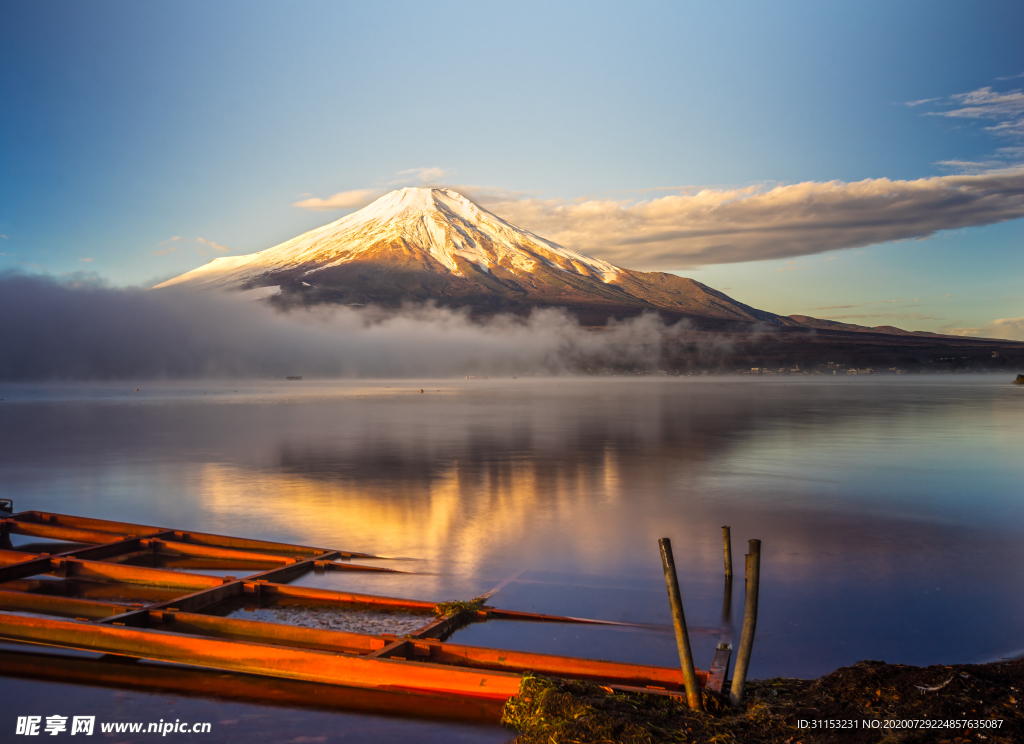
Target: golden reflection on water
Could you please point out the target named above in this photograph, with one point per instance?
(460, 514)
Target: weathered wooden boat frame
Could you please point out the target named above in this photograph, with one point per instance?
(176, 631)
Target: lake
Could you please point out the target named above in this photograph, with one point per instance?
(890, 511)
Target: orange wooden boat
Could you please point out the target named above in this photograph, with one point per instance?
(420, 673)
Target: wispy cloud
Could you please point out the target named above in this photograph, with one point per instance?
(216, 246)
(423, 175)
(354, 199)
(4, 237)
(859, 304)
(359, 198)
(87, 260)
(888, 316)
(1008, 328)
(1003, 110)
(715, 226)
(1006, 110)
(972, 166)
(170, 245)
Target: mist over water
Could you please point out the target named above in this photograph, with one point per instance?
(81, 330)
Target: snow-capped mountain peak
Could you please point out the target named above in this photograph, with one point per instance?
(434, 227)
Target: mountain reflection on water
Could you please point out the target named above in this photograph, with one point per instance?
(890, 511)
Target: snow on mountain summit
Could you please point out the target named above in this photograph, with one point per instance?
(436, 227)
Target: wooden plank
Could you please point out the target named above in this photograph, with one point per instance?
(257, 631)
(719, 667)
(50, 605)
(177, 548)
(639, 675)
(86, 523)
(198, 538)
(60, 532)
(258, 658)
(14, 565)
(76, 568)
(109, 672)
(311, 595)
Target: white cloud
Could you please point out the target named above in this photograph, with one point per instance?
(918, 103)
(1004, 109)
(216, 246)
(355, 199)
(1008, 328)
(4, 237)
(424, 175)
(889, 316)
(359, 198)
(714, 226)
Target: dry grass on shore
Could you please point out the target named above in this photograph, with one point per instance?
(551, 711)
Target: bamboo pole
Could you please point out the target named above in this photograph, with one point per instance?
(739, 674)
(668, 564)
(727, 602)
(727, 544)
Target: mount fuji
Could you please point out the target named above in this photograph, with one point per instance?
(427, 244)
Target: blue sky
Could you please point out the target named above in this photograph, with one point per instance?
(124, 125)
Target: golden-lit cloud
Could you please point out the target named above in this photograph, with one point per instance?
(358, 198)
(86, 260)
(342, 200)
(169, 246)
(714, 226)
(423, 175)
(1008, 328)
(216, 246)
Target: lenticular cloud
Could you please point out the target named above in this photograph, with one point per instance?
(713, 226)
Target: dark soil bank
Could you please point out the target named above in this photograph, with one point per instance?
(870, 699)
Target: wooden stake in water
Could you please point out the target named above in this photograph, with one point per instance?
(739, 673)
(668, 563)
(727, 544)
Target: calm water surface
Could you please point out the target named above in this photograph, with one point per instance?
(890, 511)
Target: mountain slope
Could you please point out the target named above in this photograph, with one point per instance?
(437, 245)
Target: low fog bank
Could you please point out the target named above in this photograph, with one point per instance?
(80, 329)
